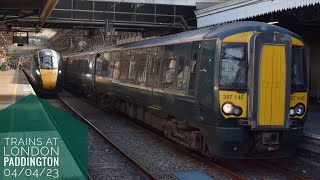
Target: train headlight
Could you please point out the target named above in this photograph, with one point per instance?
(292, 112)
(38, 72)
(299, 109)
(237, 111)
(227, 108)
(59, 71)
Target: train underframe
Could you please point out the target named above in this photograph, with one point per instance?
(212, 141)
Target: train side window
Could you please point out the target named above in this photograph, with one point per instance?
(117, 65)
(98, 66)
(156, 67)
(86, 67)
(111, 66)
(176, 67)
(182, 73)
(124, 69)
(192, 80)
(132, 68)
(82, 66)
(168, 67)
(142, 65)
(104, 68)
(104, 64)
(70, 65)
(150, 69)
(78, 66)
(73, 64)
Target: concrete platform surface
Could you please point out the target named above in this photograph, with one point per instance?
(312, 125)
(14, 85)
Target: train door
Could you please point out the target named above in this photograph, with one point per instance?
(271, 78)
(205, 79)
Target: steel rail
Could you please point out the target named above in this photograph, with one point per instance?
(139, 165)
(219, 167)
(285, 172)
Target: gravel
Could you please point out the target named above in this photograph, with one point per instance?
(162, 157)
(155, 153)
(104, 161)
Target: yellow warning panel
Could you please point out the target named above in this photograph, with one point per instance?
(272, 86)
(49, 78)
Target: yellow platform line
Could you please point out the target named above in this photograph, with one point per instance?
(15, 89)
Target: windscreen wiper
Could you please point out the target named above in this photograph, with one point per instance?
(239, 74)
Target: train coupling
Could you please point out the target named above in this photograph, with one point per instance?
(267, 141)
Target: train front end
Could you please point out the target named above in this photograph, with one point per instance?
(49, 71)
(263, 92)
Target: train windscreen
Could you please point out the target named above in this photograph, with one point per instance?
(233, 69)
(48, 62)
(298, 69)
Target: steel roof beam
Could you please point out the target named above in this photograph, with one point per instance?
(21, 4)
(49, 6)
(164, 2)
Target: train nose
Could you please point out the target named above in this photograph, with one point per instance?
(49, 79)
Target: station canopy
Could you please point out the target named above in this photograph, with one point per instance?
(234, 10)
(44, 19)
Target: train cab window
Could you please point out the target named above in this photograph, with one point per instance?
(233, 69)
(298, 69)
(47, 62)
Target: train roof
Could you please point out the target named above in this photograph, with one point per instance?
(219, 32)
(81, 53)
(44, 52)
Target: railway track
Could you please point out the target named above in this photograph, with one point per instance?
(285, 172)
(309, 149)
(145, 171)
(222, 169)
(311, 143)
(236, 175)
(216, 165)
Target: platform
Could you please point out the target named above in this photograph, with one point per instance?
(312, 125)
(14, 85)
